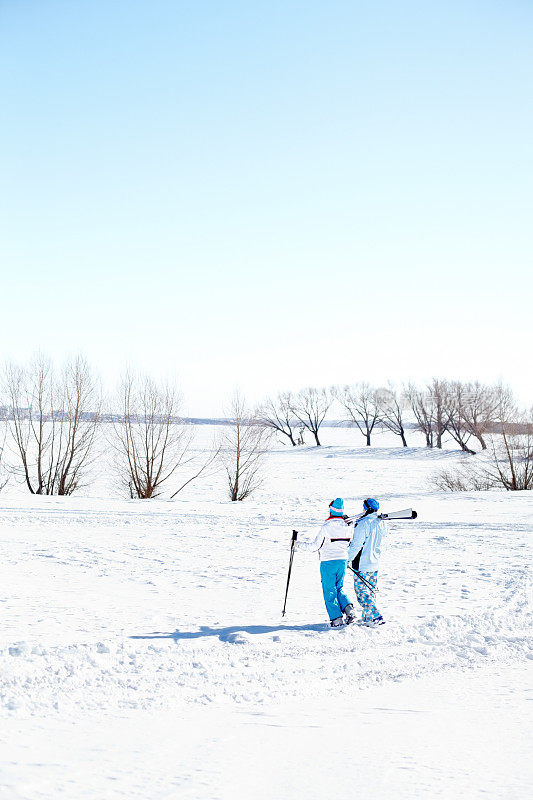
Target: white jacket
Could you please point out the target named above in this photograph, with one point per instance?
(367, 538)
(332, 540)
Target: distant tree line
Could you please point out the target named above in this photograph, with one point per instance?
(471, 414)
(51, 420)
(466, 412)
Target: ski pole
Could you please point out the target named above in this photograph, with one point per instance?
(372, 588)
(294, 537)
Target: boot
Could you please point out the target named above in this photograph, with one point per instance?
(349, 613)
(372, 623)
(336, 623)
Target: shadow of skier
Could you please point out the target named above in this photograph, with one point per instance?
(231, 633)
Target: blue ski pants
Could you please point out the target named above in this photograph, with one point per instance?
(367, 597)
(332, 576)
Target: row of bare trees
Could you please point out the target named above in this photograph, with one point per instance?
(153, 446)
(505, 434)
(509, 463)
(469, 413)
(465, 412)
(52, 419)
(364, 407)
(50, 426)
(291, 414)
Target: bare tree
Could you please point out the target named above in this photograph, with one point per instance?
(151, 440)
(508, 461)
(511, 448)
(54, 423)
(81, 407)
(310, 407)
(423, 407)
(278, 416)
(361, 405)
(480, 404)
(456, 397)
(243, 450)
(4, 477)
(438, 390)
(391, 406)
(29, 394)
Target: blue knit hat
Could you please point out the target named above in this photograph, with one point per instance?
(336, 507)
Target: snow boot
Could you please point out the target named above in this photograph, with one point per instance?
(373, 623)
(349, 613)
(336, 623)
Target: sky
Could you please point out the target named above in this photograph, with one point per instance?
(265, 196)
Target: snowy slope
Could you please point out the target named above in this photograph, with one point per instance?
(138, 634)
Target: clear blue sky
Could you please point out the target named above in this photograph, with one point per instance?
(267, 195)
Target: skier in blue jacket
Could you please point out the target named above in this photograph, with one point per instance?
(332, 542)
(364, 554)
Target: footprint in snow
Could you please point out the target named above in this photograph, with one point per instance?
(234, 638)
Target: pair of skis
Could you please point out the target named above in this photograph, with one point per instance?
(406, 513)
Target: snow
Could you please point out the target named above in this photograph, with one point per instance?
(143, 652)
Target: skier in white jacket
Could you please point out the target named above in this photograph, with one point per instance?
(364, 554)
(332, 542)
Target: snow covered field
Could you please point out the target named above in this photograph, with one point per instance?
(143, 653)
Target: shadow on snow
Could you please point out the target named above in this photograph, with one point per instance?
(229, 634)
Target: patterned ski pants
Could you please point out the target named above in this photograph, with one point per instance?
(365, 597)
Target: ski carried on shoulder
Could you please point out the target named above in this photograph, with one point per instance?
(407, 513)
